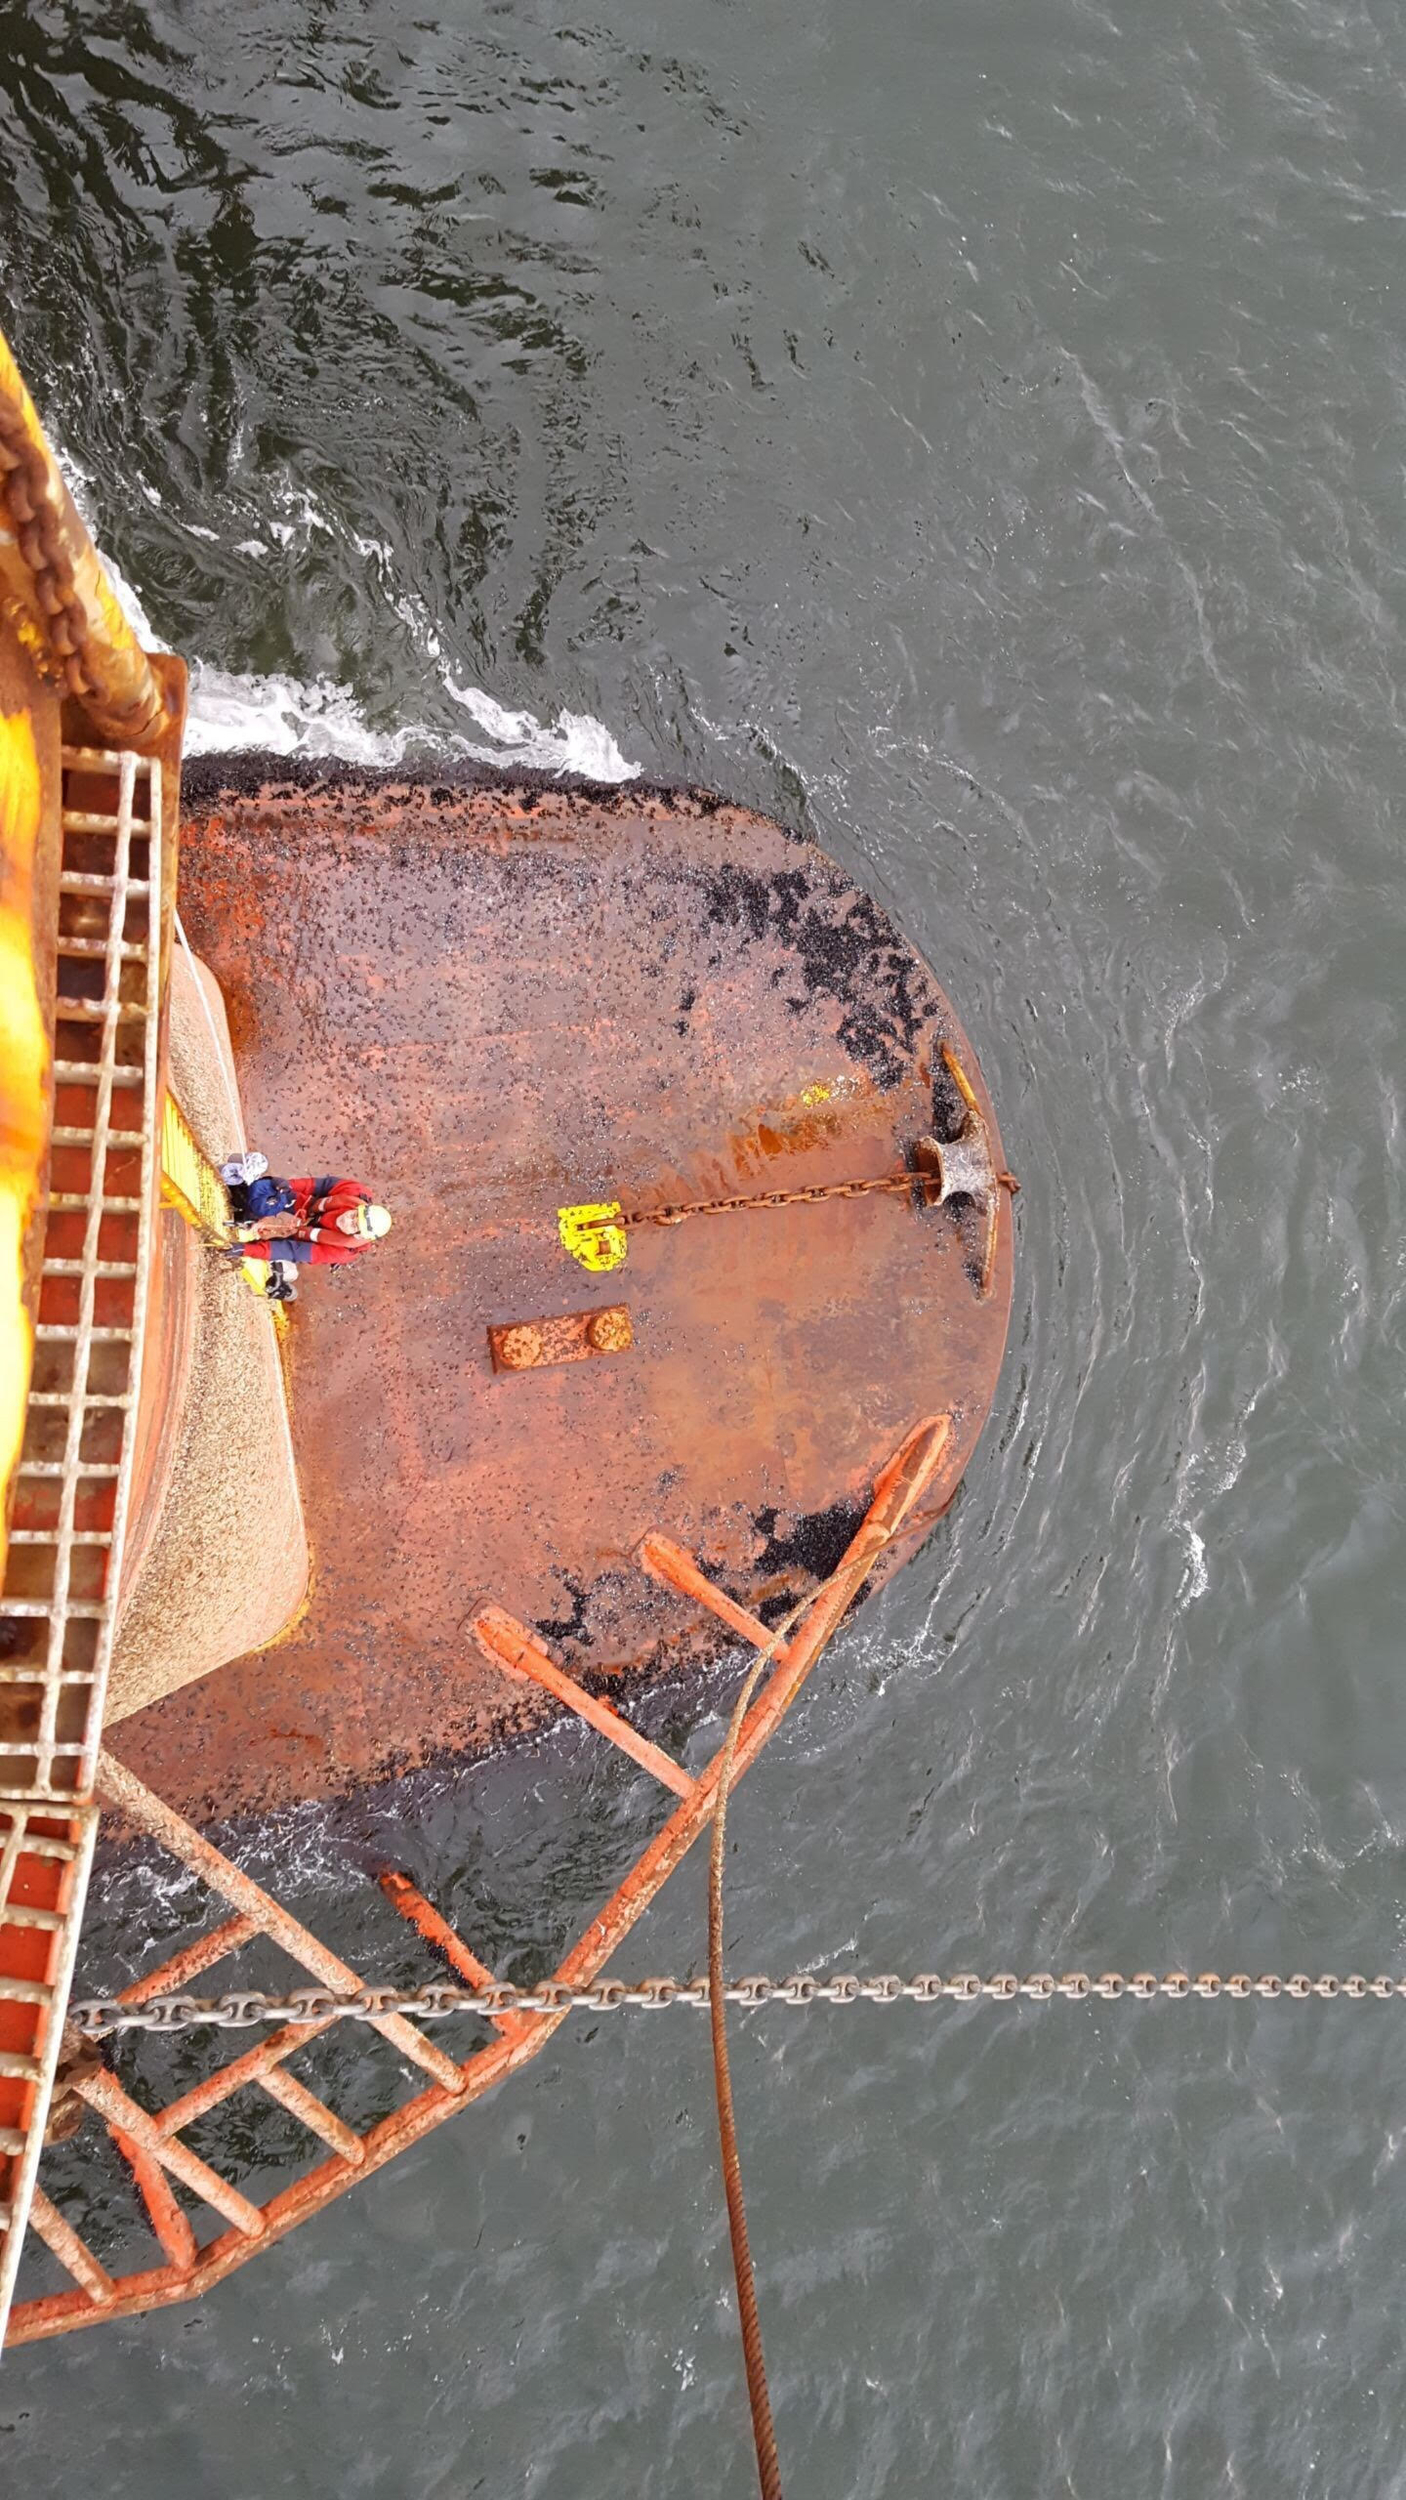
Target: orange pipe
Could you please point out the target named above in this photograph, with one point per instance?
(506, 1643)
(169, 1977)
(268, 1915)
(422, 1914)
(125, 2116)
(314, 2115)
(898, 1491)
(164, 2214)
(255, 2066)
(72, 2253)
(674, 1567)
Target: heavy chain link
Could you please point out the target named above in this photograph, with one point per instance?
(887, 1184)
(24, 497)
(99, 2018)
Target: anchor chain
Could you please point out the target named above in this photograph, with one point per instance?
(100, 2018)
(959, 1171)
(887, 1184)
(890, 1184)
(25, 502)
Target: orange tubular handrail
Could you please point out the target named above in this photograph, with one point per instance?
(152, 2139)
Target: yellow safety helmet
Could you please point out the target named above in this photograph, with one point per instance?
(378, 1222)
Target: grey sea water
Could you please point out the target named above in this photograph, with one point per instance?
(975, 431)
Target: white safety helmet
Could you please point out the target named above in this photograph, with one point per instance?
(370, 1223)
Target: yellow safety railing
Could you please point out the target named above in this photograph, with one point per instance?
(189, 1181)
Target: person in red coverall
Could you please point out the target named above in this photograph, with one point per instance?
(321, 1222)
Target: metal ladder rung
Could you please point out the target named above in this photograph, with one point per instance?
(25, 1992)
(81, 1267)
(84, 1609)
(51, 1332)
(39, 1845)
(314, 2114)
(79, 820)
(16, 1915)
(99, 1011)
(54, 1536)
(19, 2068)
(11, 2140)
(86, 881)
(64, 1397)
(60, 1467)
(128, 1138)
(87, 1072)
(73, 2254)
(131, 950)
(34, 1672)
(76, 1202)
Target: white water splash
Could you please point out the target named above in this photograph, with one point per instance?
(281, 715)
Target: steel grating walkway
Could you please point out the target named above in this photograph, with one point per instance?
(63, 1570)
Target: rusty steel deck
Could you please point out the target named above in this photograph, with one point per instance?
(492, 999)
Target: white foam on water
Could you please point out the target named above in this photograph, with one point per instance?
(282, 715)
(575, 743)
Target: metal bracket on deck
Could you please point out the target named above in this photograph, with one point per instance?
(528, 1344)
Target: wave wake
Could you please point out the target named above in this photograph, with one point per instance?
(281, 715)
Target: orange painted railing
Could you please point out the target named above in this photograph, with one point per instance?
(151, 2140)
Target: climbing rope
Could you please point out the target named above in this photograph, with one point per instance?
(237, 1131)
(847, 1579)
(99, 2018)
(749, 2317)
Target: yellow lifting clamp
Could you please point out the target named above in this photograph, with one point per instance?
(592, 1240)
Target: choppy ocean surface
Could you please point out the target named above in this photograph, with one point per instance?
(977, 435)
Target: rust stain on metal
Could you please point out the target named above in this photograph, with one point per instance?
(527, 1345)
(492, 999)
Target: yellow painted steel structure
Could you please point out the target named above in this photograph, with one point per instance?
(24, 1056)
(90, 738)
(189, 1181)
